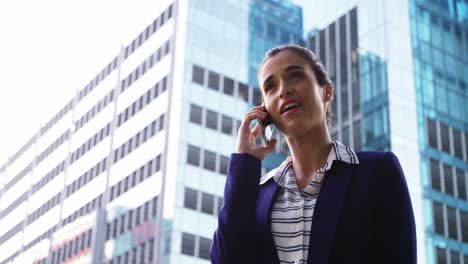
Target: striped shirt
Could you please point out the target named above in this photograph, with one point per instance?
(292, 210)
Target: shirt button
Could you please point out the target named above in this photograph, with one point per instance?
(297, 261)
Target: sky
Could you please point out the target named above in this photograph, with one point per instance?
(52, 48)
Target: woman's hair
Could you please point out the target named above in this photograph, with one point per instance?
(317, 67)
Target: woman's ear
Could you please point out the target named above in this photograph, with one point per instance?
(328, 93)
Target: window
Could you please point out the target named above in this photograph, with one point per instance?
(226, 125)
(213, 80)
(193, 155)
(188, 244)
(190, 198)
(161, 122)
(130, 219)
(444, 136)
(441, 255)
(223, 165)
(211, 119)
(454, 257)
(244, 92)
(207, 205)
(432, 133)
(435, 175)
(209, 161)
(204, 248)
(228, 86)
(257, 96)
(457, 143)
(448, 180)
(438, 218)
(452, 222)
(198, 75)
(461, 183)
(196, 114)
(271, 31)
(220, 204)
(464, 226)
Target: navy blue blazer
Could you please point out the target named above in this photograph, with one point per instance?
(363, 214)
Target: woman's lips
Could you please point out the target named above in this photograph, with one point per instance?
(291, 111)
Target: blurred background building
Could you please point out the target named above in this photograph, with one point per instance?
(132, 169)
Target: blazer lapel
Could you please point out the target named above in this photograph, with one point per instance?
(327, 211)
(265, 201)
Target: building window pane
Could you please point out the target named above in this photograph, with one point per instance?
(196, 114)
(193, 155)
(461, 183)
(211, 119)
(257, 96)
(435, 175)
(243, 92)
(441, 255)
(207, 205)
(444, 136)
(188, 244)
(210, 160)
(454, 257)
(213, 80)
(452, 222)
(448, 180)
(432, 133)
(464, 226)
(228, 86)
(198, 75)
(220, 204)
(204, 249)
(357, 135)
(226, 125)
(190, 198)
(438, 218)
(457, 143)
(223, 165)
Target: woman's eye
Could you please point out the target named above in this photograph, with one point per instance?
(268, 87)
(296, 75)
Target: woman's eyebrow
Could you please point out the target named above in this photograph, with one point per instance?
(293, 67)
(267, 80)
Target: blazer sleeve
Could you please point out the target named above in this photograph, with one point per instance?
(397, 235)
(233, 241)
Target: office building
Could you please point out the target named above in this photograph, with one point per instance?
(132, 168)
(399, 68)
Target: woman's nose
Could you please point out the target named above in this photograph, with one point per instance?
(285, 90)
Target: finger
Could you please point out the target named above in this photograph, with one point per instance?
(256, 130)
(271, 145)
(249, 117)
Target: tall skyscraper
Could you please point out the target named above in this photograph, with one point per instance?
(132, 169)
(399, 69)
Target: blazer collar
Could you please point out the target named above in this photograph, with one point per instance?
(339, 151)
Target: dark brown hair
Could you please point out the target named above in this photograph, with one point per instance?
(319, 70)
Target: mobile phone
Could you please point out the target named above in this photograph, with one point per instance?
(264, 125)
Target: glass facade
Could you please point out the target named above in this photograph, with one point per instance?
(337, 47)
(439, 36)
(220, 87)
(374, 98)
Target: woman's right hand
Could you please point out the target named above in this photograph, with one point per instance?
(246, 138)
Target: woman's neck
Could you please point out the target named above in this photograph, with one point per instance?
(309, 153)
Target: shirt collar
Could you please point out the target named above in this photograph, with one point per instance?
(339, 151)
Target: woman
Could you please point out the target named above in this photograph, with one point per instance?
(325, 203)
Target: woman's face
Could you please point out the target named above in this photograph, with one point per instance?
(292, 95)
